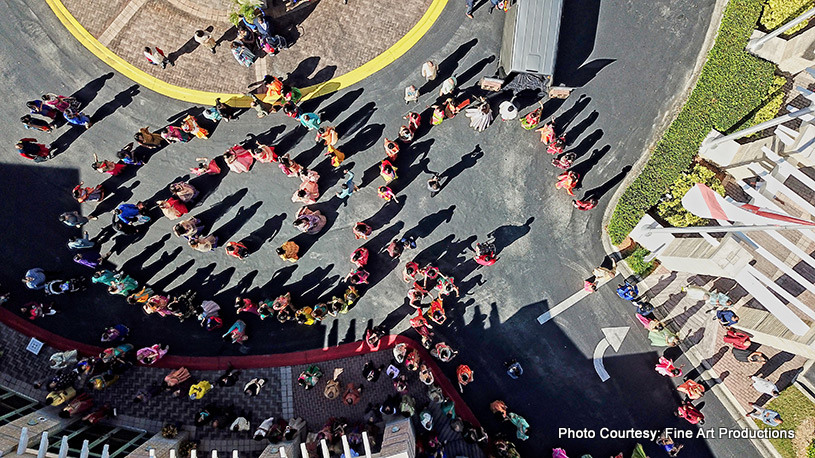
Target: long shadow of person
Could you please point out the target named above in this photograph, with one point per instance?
(586, 144)
(601, 190)
(120, 100)
(299, 77)
(409, 174)
(447, 67)
(330, 112)
(379, 263)
(308, 289)
(113, 198)
(134, 264)
(474, 70)
(467, 161)
(162, 283)
(584, 167)
(228, 295)
(277, 283)
(193, 111)
(507, 234)
(214, 284)
(231, 227)
(575, 132)
(265, 138)
(385, 214)
(151, 270)
(219, 209)
(364, 139)
(229, 35)
(430, 223)
(330, 176)
(291, 139)
(356, 120)
(305, 158)
(193, 282)
(188, 47)
(87, 93)
(64, 141)
(264, 233)
(562, 122)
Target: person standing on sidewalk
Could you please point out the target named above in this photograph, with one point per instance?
(764, 386)
(205, 39)
(156, 57)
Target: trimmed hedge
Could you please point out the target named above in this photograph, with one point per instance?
(636, 261)
(772, 106)
(778, 12)
(732, 84)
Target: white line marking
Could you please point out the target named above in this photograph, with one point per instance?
(599, 350)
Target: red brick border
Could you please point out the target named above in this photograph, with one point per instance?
(58, 342)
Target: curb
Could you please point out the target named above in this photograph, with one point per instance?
(730, 403)
(24, 326)
(725, 396)
(356, 75)
(659, 132)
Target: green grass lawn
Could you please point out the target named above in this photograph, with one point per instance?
(794, 408)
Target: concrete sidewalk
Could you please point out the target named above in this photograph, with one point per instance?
(327, 38)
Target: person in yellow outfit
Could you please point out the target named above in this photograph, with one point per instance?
(198, 390)
(336, 156)
(58, 397)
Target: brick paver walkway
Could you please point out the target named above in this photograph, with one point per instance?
(703, 334)
(327, 38)
(280, 397)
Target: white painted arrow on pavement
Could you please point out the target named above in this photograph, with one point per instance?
(614, 339)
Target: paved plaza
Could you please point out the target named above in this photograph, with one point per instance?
(497, 184)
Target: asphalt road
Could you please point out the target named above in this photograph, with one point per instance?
(630, 60)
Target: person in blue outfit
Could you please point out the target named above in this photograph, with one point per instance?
(35, 278)
(727, 318)
(514, 369)
(627, 291)
(77, 118)
(130, 214)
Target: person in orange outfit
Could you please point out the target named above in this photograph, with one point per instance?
(568, 181)
(464, 375)
(328, 135)
(391, 149)
(547, 133)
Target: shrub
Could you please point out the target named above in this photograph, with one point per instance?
(670, 208)
(243, 9)
(772, 105)
(732, 84)
(636, 261)
(778, 12)
(811, 449)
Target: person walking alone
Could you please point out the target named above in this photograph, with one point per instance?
(157, 57)
(205, 39)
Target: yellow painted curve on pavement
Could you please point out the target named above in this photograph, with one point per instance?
(208, 98)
